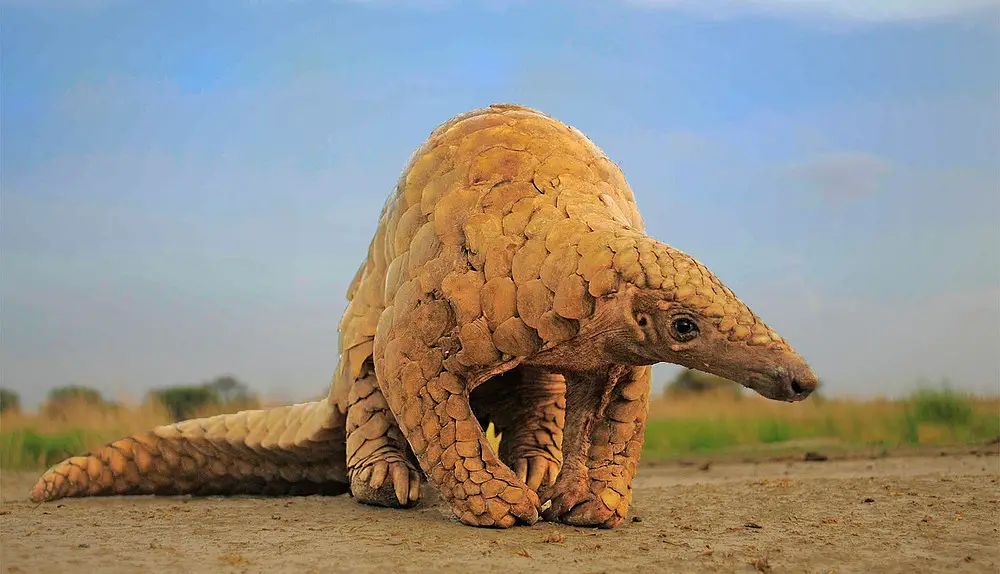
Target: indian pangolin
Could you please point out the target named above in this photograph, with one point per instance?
(510, 280)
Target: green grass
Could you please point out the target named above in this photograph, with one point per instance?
(952, 415)
(678, 436)
(926, 417)
(26, 448)
(669, 438)
(678, 426)
(942, 406)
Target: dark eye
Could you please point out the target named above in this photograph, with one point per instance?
(684, 329)
(642, 320)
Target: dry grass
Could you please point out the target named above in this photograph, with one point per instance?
(117, 417)
(40, 439)
(678, 425)
(76, 415)
(725, 420)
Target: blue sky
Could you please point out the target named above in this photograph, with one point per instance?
(188, 187)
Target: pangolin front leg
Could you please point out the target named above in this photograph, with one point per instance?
(527, 406)
(433, 410)
(381, 467)
(605, 427)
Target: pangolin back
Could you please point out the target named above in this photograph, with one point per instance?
(477, 169)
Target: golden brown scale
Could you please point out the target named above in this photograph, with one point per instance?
(297, 449)
(510, 280)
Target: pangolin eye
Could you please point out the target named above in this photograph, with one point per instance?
(684, 329)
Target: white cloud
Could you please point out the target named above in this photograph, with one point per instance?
(842, 176)
(871, 11)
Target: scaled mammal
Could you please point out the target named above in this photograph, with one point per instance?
(510, 280)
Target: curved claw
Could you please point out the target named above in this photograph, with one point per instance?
(581, 509)
(393, 484)
(536, 471)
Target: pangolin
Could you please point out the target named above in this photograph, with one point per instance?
(510, 280)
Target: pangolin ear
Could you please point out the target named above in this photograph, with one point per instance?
(651, 302)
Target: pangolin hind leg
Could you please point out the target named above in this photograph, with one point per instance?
(381, 466)
(605, 427)
(292, 450)
(527, 407)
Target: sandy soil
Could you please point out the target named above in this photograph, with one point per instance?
(895, 514)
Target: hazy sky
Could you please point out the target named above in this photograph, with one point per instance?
(188, 187)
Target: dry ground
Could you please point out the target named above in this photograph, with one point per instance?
(893, 514)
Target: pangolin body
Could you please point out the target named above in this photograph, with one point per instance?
(510, 280)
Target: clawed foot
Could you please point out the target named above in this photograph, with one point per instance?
(499, 505)
(536, 471)
(580, 507)
(391, 484)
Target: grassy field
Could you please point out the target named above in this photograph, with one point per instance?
(679, 425)
(725, 422)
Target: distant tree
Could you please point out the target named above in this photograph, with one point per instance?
(9, 401)
(231, 389)
(75, 393)
(183, 401)
(694, 381)
(61, 400)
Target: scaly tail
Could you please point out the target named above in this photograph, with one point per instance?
(297, 449)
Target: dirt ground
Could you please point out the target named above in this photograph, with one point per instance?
(891, 514)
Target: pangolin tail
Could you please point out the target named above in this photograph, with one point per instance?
(292, 450)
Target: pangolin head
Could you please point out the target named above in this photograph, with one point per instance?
(679, 312)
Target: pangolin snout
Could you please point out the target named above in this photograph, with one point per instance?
(794, 382)
(784, 378)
